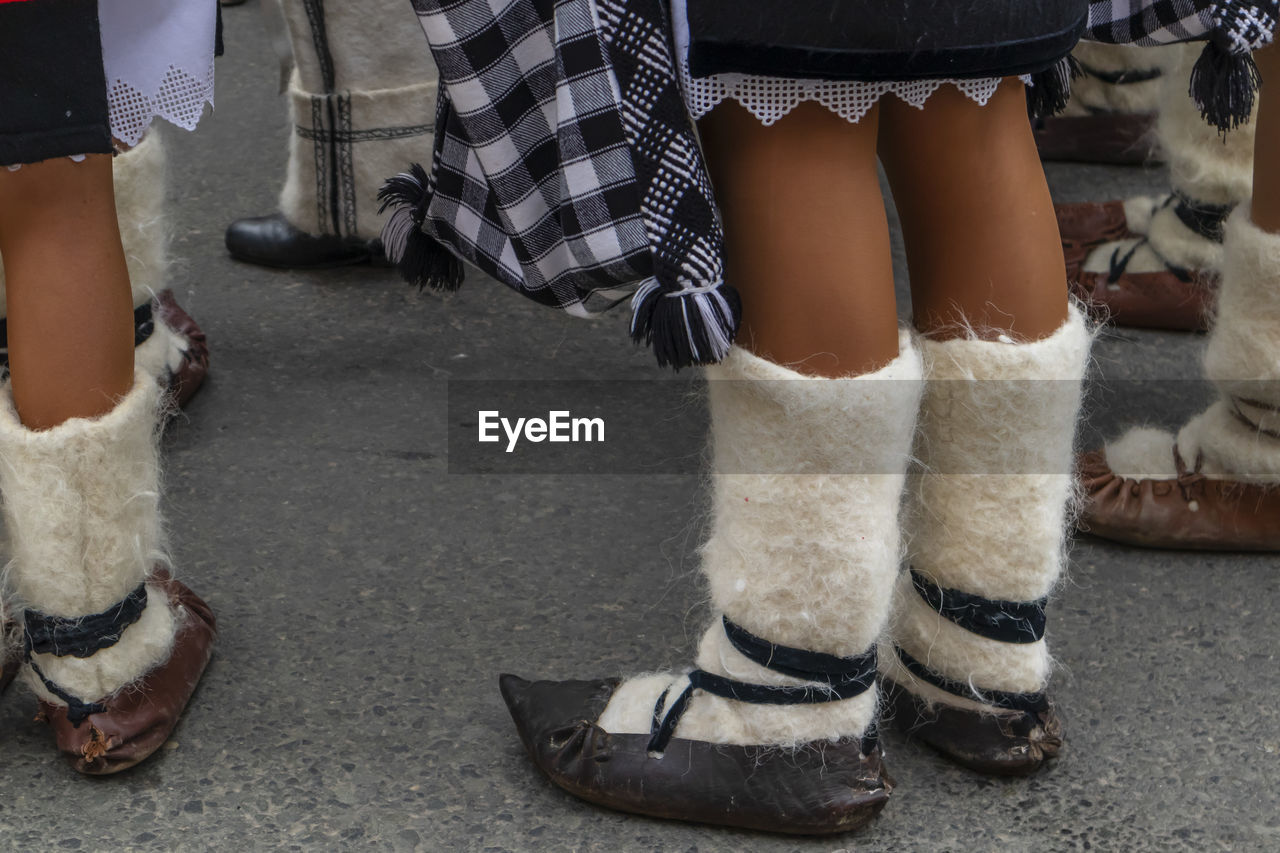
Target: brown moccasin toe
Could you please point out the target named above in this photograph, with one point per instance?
(1191, 511)
(821, 788)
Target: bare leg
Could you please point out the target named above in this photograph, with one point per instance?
(70, 310)
(1266, 152)
(982, 240)
(807, 237)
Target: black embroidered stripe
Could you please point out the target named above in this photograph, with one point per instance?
(1207, 220)
(1004, 621)
(77, 711)
(83, 636)
(375, 134)
(1030, 703)
(839, 678)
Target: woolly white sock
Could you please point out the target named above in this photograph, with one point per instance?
(988, 511)
(81, 508)
(804, 546)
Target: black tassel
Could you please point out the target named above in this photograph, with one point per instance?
(1051, 89)
(421, 260)
(685, 328)
(1223, 85)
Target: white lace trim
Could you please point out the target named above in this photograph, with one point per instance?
(158, 57)
(771, 98)
(180, 99)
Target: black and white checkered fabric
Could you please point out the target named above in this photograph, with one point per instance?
(1225, 79)
(1241, 25)
(566, 166)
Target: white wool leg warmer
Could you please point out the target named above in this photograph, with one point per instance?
(81, 508)
(362, 100)
(1205, 167)
(1238, 437)
(988, 511)
(1091, 94)
(804, 545)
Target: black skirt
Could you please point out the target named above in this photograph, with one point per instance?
(53, 91)
(882, 40)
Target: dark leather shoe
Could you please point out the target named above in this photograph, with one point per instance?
(271, 241)
(818, 789)
(140, 717)
(1000, 743)
(1123, 139)
(1192, 511)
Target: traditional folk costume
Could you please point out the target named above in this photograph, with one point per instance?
(111, 643)
(362, 102)
(1215, 484)
(775, 728)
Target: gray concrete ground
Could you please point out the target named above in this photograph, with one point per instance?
(369, 598)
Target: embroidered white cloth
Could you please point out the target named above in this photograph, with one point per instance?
(158, 57)
(771, 98)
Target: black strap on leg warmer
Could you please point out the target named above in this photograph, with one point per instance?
(82, 636)
(1207, 220)
(837, 678)
(77, 711)
(1028, 703)
(1004, 621)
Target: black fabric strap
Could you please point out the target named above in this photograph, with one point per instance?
(1207, 220)
(82, 636)
(1119, 263)
(77, 711)
(1124, 76)
(1004, 621)
(839, 678)
(1029, 703)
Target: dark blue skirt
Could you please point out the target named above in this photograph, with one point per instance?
(882, 39)
(53, 92)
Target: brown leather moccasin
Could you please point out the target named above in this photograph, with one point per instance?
(1191, 511)
(1000, 743)
(1084, 226)
(1176, 300)
(819, 789)
(139, 718)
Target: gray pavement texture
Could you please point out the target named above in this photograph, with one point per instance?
(369, 598)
